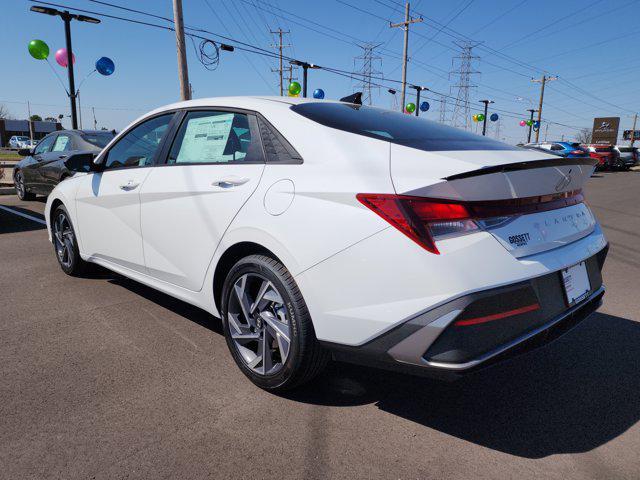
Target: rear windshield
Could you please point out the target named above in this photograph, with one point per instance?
(22, 139)
(603, 149)
(98, 139)
(395, 127)
(626, 149)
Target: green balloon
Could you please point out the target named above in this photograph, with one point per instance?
(481, 117)
(529, 122)
(38, 49)
(294, 88)
(411, 107)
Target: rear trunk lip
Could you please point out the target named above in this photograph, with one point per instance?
(528, 165)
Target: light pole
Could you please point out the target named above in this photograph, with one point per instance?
(486, 109)
(418, 89)
(66, 17)
(305, 66)
(531, 111)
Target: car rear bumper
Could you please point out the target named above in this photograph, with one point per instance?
(446, 341)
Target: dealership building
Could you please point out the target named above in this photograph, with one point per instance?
(9, 128)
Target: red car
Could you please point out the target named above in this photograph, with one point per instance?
(603, 153)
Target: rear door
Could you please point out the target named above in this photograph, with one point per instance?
(51, 166)
(211, 169)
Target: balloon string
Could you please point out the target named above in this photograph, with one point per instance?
(88, 75)
(57, 76)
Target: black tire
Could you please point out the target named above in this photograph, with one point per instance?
(21, 189)
(65, 244)
(306, 357)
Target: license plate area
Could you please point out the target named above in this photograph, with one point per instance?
(575, 280)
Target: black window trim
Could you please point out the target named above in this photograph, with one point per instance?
(104, 156)
(163, 158)
(296, 158)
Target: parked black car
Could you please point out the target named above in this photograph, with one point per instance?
(43, 166)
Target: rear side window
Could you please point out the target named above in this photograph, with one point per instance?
(63, 144)
(98, 139)
(216, 137)
(395, 127)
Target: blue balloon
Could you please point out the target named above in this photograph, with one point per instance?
(536, 124)
(494, 117)
(318, 93)
(424, 106)
(105, 66)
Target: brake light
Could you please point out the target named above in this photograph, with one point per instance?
(576, 152)
(425, 220)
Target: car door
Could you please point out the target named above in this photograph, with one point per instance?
(213, 166)
(32, 175)
(108, 202)
(53, 161)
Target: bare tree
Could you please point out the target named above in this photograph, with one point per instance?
(4, 112)
(584, 136)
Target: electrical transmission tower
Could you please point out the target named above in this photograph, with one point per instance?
(367, 66)
(463, 83)
(443, 110)
(281, 70)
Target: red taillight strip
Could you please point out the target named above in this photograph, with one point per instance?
(498, 316)
(525, 205)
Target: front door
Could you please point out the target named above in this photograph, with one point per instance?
(213, 167)
(51, 167)
(108, 202)
(33, 178)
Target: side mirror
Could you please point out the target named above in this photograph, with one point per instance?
(25, 152)
(82, 162)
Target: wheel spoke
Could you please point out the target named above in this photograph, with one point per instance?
(240, 289)
(263, 289)
(267, 361)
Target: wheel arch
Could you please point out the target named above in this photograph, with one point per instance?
(229, 258)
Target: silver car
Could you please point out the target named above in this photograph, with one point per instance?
(626, 156)
(18, 141)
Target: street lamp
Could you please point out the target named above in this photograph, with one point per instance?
(305, 66)
(66, 17)
(486, 108)
(418, 89)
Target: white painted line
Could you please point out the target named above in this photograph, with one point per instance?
(20, 214)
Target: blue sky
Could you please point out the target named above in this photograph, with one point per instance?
(589, 44)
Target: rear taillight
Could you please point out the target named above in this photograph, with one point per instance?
(425, 220)
(576, 152)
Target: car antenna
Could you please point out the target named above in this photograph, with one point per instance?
(355, 98)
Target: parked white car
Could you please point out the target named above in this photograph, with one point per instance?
(19, 141)
(318, 229)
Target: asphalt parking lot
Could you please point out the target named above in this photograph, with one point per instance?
(105, 378)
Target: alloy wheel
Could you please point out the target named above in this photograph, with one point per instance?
(259, 324)
(63, 238)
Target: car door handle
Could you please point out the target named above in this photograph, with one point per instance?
(130, 185)
(228, 182)
(62, 157)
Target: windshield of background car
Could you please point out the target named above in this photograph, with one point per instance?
(22, 139)
(625, 149)
(98, 139)
(395, 127)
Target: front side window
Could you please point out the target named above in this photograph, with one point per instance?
(63, 144)
(98, 139)
(395, 127)
(45, 145)
(139, 146)
(216, 137)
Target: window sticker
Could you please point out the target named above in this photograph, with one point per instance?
(61, 143)
(205, 140)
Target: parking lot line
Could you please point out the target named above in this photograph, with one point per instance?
(24, 215)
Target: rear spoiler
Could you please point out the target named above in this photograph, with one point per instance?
(510, 167)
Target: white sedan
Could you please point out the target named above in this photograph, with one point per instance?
(319, 229)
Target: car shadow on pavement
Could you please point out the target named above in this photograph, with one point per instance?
(571, 396)
(12, 223)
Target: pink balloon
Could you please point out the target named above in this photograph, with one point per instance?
(61, 57)
(522, 122)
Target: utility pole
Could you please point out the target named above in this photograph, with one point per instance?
(486, 109)
(542, 81)
(183, 73)
(531, 111)
(95, 122)
(31, 123)
(305, 67)
(633, 130)
(443, 110)
(280, 46)
(405, 26)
